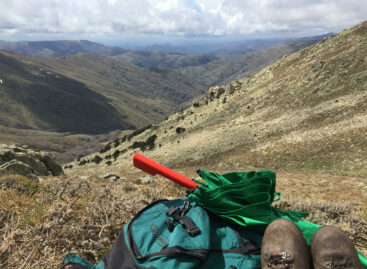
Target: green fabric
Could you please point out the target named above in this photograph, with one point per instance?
(245, 198)
(241, 197)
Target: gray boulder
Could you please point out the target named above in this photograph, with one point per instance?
(19, 159)
(147, 180)
(39, 167)
(17, 167)
(49, 160)
(110, 176)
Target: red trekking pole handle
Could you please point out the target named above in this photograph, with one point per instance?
(151, 167)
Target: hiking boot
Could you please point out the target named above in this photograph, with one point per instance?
(284, 247)
(332, 249)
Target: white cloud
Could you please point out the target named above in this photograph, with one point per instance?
(178, 17)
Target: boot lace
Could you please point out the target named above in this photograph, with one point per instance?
(338, 263)
(281, 260)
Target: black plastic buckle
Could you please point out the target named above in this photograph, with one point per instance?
(185, 207)
(189, 226)
(170, 225)
(173, 211)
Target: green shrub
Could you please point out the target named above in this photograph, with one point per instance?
(82, 162)
(116, 143)
(97, 159)
(116, 154)
(106, 148)
(180, 130)
(138, 132)
(144, 145)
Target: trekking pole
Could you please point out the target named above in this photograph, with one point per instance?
(151, 167)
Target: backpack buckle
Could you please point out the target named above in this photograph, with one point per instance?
(189, 226)
(173, 211)
(170, 225)
(178, 215)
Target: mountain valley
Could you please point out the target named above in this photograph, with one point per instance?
(303, 116)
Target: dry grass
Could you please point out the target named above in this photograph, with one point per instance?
(41, 223)
(330, 200)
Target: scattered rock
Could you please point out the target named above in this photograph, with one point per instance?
(222, 165)
(110, 176)
(234, 86)
(147, 180)
(39, 167)
(17, 167)
(214, 93)
(20, 159)
(49, 160)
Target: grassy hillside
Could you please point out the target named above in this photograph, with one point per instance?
(306, 111)
(87, 93)
(59, 48)
(34, 98)
(223, 71)
(146, 58)
(143, 96)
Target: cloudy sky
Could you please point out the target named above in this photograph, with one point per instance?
(98, 19)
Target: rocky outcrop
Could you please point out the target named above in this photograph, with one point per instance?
(217, 92)
(17, 159)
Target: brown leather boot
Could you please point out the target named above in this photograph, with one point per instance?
(332, 249)
(284, 247)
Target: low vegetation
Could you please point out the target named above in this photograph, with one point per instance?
(42, 222)
(65, 146)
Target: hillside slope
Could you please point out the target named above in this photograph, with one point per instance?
(64, 94)
(59, 48)
(223, 71)
(146, 58)
(31, 97)
(306, 111)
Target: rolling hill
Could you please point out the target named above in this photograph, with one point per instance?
(34, 98)
(146, 58)
(224, 48)
(306, 111)
(87, 93)
(59, 48)
(223, 71)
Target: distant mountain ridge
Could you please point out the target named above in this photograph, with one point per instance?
(60, 48)
(223, 71)
(146, 59)
(228, 49)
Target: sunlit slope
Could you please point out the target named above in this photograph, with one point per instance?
(306, 111)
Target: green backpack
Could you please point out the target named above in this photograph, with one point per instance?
(179, 234)
(219, 225)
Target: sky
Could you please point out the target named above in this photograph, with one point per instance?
(113, 20)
